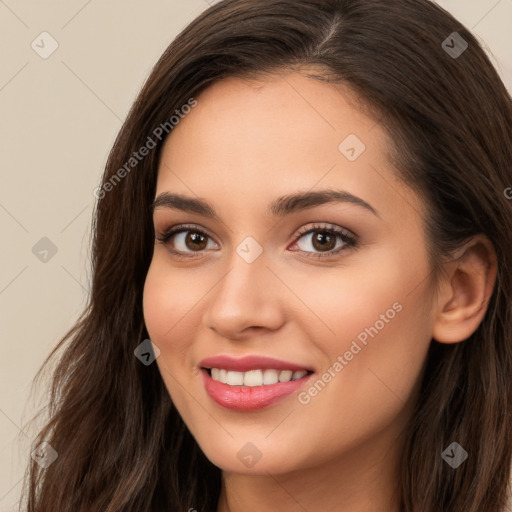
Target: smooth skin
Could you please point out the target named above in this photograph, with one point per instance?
(244, 145)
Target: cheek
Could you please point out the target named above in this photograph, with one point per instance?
(157, 303)
(168, 315)
(168, 299)
(342, 303)
(380, 367)
(376, 317)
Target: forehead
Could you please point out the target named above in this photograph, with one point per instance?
(290, 106)
(275, 134)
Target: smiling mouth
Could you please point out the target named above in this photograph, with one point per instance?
(254, 378)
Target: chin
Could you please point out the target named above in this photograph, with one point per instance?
(257, 457)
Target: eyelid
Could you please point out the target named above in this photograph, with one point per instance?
(180, 228)
(319, 226)
(350, 239)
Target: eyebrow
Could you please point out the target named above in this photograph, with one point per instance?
(281, 206)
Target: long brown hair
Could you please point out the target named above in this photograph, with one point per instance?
(121, 443)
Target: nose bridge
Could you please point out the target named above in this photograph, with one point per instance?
(242, 284)
(246, 295)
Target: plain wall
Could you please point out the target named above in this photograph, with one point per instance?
(59, 118)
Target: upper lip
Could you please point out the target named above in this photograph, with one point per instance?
(247, 363)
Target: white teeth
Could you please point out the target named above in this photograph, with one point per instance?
(254, 378)
(270, 377)
(235, 378)
(220, 375)
(285, 376)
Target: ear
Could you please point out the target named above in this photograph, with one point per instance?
(465, 291)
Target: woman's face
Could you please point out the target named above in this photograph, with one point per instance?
(269, 266)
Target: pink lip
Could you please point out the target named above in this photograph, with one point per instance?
(247, 363)
(245, 398)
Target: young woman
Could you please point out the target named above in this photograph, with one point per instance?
(307, 212)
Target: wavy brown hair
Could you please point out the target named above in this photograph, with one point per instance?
(122, 446)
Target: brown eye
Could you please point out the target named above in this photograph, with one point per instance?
(319, 241)
(195, 241)
(322, 240)
(183, 240)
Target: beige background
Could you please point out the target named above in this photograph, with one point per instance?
(59, 119)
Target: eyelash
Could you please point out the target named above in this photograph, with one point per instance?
(350, 240)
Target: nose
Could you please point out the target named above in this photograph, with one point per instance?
(249, 296)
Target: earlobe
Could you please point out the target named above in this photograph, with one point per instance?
(465, 291)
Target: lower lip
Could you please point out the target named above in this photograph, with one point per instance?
(246, 398)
